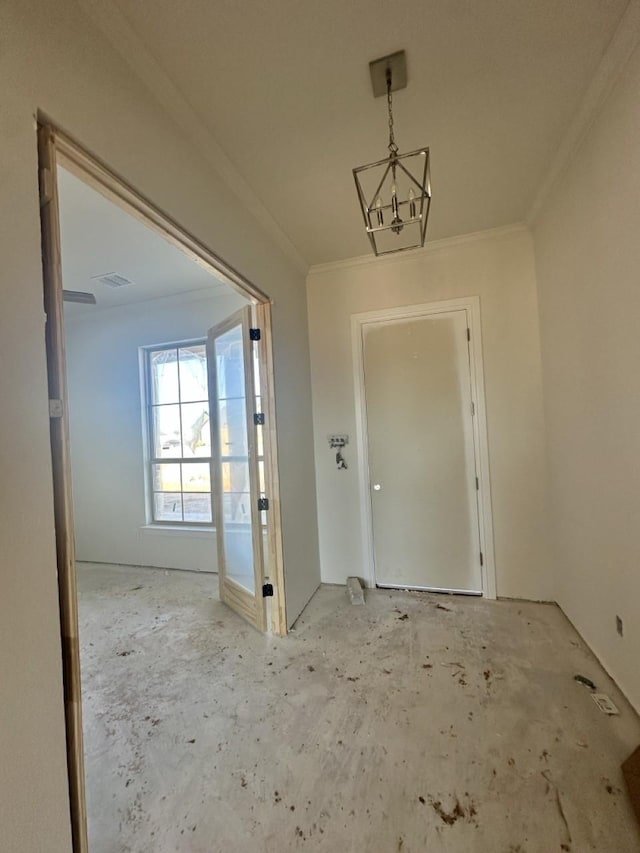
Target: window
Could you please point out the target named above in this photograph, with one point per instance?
(179, 438)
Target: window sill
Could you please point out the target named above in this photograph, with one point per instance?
(178, 530)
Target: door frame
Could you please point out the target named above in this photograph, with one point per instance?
(56, 148)
(470, 304)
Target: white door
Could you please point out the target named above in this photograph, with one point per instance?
(236, 466)
(422, 469)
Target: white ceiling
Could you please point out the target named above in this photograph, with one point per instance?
(99, 237)
(283, 88)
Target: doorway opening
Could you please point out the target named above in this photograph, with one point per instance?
(423, 452)
(162, 416)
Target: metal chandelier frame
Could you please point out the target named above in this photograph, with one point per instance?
(381, 217)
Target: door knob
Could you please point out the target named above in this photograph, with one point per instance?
(376, 487)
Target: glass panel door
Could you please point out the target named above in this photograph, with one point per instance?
(235, 467)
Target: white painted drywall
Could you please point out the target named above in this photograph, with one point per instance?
(588, 257)
(497, 266)
(107, 453)
(54, 60)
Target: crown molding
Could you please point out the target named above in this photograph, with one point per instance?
(123, 38)
(614, 60)
(414, 254)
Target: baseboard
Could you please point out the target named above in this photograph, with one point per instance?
(156, 568)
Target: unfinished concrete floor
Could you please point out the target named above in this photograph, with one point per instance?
(415, 723)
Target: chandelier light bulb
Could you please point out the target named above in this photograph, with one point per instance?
(379, 211)
(396, 222)
(412, 203)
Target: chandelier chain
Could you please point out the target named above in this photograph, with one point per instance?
(393, 148)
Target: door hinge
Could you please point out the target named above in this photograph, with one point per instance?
(46, 186)
(258, 419)
(481, 558)
(263, 503)
(468, 334)
(254, 334)
(477, 485)
(55, 409)
(267, 590)
(473, 409)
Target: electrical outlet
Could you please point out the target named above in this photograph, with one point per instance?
(605, 704)
(619, 626)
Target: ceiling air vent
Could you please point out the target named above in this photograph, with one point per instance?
(112, 279)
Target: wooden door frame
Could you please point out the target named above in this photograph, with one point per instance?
(56, 148)
(470, 304)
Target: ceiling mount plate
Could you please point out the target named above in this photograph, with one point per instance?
(397, 63)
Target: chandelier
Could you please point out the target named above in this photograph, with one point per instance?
(394, 193)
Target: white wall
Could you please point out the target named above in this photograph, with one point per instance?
(588, 257)
(497, 266)
(107, 453)
(54, 60)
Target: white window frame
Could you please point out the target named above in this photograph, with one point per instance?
(149, 443)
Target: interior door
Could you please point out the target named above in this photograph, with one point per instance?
(421, 453)
(236, 468)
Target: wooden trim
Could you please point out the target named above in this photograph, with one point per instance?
(62, 498)
(241, 600)
(74, 158)
(471, 305)
(254, 474)
(272, 482)
(56, 148)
